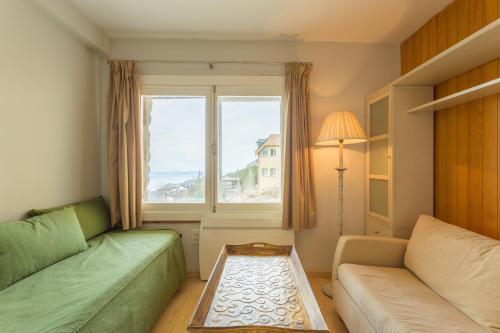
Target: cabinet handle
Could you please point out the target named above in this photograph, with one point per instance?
(376, 232)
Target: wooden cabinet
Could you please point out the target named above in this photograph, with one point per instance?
(399, 166)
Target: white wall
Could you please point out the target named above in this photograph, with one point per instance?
(49, 152)
(343, 75)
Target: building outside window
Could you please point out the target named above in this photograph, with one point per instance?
(268, 163)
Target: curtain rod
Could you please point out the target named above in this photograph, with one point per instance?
(211, 63)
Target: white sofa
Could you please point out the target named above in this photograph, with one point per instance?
(444, 279)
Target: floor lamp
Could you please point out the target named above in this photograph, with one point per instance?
(340, 128)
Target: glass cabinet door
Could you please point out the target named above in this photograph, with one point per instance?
(379, 197)
(379, 164)
(378, 158)
(379, 117)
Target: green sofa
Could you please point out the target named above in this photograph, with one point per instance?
(120, 283)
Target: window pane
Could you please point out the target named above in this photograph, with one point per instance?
(379, 113)
(379, 196)
(379, 163)
(250, 142)
(175, 161)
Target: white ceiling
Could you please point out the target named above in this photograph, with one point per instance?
(356, 21)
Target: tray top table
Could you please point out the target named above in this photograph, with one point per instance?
(257, 288)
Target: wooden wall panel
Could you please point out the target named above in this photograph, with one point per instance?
(475, 158)
(433, 49)
(404, 64)
(464, 19)
(441, 206)
(452, 155)
(448, 27)
(424, 40)
(442, 32)
(417, 48)
(466, 137)
(463, 156)
(490, 171)
(410, 53)
(490, 11)
(466, 172)
(477, 14)
(490, 158)
(452, 24)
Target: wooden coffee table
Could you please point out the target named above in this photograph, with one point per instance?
(257, 288)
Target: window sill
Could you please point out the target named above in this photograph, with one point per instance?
(163, 215)
(193, 216)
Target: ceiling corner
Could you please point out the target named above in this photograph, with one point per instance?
(77, 24)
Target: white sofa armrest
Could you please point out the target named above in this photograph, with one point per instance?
(369, 250)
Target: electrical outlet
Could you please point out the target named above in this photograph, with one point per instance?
(196, 236)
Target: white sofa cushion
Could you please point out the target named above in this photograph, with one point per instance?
(353, 319)
(461, 266)
(394, 300)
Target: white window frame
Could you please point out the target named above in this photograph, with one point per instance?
(204, 91)
(244, 91)
(205, 86)
(273, 174)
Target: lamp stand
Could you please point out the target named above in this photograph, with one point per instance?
(327, 288)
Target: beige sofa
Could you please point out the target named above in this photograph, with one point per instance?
(444, 279)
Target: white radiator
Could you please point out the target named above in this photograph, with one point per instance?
(215, 232)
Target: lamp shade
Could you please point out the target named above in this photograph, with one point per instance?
(340, 125)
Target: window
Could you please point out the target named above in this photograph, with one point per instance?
(175, 152)
(210, 148)
(248, 124)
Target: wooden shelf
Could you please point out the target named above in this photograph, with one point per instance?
(473, 51)
(464, 96)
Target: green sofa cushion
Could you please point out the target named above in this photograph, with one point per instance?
(120, 284)
(30, 245)
(93, 216)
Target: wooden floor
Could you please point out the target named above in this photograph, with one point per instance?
(179, 310)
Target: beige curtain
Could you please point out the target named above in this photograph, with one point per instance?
(299, 204)
(124, 145)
